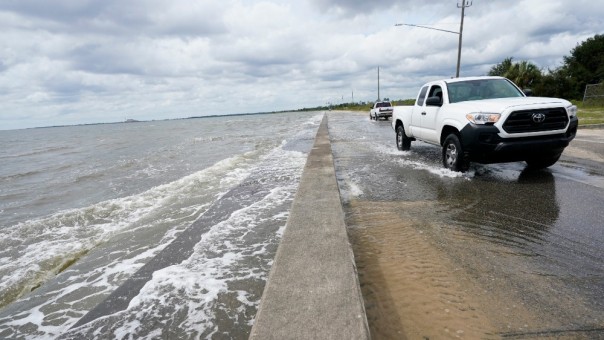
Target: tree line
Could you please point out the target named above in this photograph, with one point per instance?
(584, 65)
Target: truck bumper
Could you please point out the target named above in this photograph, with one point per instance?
(483, 144)
(384, 114)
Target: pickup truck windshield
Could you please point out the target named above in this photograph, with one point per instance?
(481, 89)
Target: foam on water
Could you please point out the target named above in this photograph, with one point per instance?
(196, 284)
(230, 264)
(439, 171)
(408, 160)
(35, 250)
(224, 275)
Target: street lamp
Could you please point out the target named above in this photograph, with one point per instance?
(464, 4)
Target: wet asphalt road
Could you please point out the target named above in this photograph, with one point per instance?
(498, 252)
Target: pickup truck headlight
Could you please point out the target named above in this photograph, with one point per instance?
(572, 111)
(483, 118)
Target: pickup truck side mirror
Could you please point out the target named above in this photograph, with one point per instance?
(527, 92)
(434, 101)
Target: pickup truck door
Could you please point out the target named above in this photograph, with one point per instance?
(416, 115)
(430, 115)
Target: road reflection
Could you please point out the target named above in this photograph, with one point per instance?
(509, 212)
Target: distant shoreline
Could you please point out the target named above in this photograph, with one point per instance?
(168, 119)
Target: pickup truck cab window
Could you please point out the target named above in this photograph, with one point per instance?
(436, 91)
(422, 95)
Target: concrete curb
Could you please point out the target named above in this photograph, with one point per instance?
(313, 291)
(592, 126)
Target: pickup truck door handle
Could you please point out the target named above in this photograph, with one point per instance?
(423, 113)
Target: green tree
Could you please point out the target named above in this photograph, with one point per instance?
(555, 83)
(501, 68)
(523, 73)
(586, 64)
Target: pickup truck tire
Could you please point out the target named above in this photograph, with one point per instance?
(542, 162)
(454, 157)
(403, 143)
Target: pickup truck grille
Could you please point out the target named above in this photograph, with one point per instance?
(536, 120)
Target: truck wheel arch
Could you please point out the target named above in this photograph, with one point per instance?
(447, 130)
(397, 123)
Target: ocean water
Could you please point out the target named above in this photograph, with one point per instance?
(83, 208)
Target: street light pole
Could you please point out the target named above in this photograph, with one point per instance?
(464, 4)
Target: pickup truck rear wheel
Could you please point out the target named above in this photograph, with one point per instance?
(454, 158)
(542, 162)
(403, 142)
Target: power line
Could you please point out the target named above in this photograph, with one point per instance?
(430, 28)
(463, 5)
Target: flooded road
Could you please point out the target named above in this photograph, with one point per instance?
(497, 252)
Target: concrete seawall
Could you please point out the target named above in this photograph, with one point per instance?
(313, 290)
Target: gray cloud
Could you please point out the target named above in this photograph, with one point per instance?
(355, 6)
(155, 59)
(136, 17)
(57, 10)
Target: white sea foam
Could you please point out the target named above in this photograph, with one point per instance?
(194, 290)
(196, 283)
(35, 250)
(355, 190)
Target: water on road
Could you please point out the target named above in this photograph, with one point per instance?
(497, 252)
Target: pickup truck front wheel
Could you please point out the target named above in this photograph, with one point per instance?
(403, 142)
(454, 158)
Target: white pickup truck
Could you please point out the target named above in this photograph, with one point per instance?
(486, 120)
(381, 110)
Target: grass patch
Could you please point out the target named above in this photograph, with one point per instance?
(590, 114)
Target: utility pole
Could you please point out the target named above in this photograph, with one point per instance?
(464, 4)
(378, 84)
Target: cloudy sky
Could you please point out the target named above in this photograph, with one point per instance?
(88, 61)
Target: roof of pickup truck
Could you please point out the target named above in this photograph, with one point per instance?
(454, 80)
